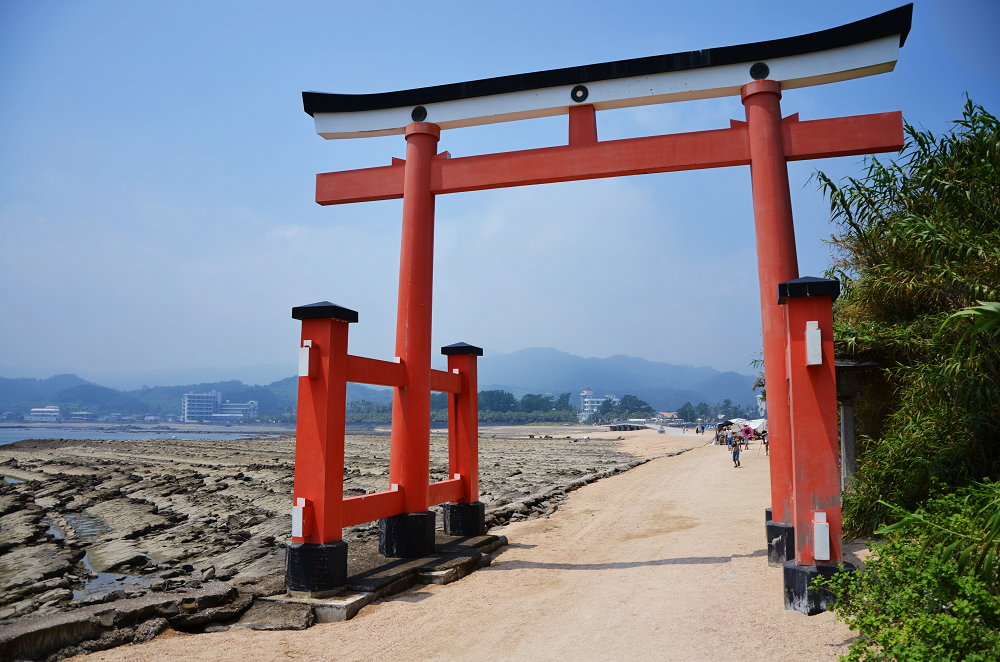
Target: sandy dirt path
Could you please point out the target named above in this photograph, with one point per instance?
(664, 562)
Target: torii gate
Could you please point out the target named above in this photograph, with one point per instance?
(765, 141)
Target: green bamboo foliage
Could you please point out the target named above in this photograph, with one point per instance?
(917, 251)
(968, 532)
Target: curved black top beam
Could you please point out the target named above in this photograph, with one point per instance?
(893, 22)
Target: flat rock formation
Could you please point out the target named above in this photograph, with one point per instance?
(94, 524)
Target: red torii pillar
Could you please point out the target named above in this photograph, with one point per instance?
(412, 534)
(812, 380)
(776, 262)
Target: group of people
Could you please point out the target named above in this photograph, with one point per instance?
(742, 438)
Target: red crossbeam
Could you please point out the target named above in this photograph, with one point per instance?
(362, 370)
(370, 507)
(842, 136)
(446, 382)
(445, 490)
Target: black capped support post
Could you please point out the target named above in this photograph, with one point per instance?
(314, 570)
(465, 519)
(798, 580)
(808, 286)
(407, 536)
(780, 543)
(324, 310)
(461, 348)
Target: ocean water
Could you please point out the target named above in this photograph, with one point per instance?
(11, 435)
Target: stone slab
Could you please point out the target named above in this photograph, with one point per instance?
(372, 576)
(32, 637)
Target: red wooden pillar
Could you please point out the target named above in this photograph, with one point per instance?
(412, 533)
(467, 517)
(409, 462)
(317, 558)
(815, 440)
(776, 263)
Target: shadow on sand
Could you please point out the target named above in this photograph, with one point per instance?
(685, 560)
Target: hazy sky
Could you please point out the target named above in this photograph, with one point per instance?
(157, 178)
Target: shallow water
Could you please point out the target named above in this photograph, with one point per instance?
(53, 530)
(87, 526)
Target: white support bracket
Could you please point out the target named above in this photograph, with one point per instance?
(304, 356)
(814, 344)
(821, 536)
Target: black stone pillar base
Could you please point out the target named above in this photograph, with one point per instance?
(798, 578)
(315, 570)
(406, 536)
(780, 543)
(465, 519)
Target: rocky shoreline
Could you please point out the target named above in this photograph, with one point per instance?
(92, 524)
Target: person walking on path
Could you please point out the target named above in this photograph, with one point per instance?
(729, 438)
(736, 454)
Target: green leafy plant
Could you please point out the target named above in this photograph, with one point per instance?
(930, 590)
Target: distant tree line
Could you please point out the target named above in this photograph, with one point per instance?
(717, 413)
(499, 400)
(495, 407)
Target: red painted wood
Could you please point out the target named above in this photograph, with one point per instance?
(863, 134)
(446, 490)
(445, 382)
(463, 426)
(842, 136)
(365, 185)
(814, 428)
(582, 125)
(409, 455)
(361, 370)
(319, 429)
(776, 263)
(370, 507)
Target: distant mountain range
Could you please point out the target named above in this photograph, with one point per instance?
(663, 385)
(536, 370)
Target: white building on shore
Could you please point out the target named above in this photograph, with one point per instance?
(210, 407)
(44, 415)
(589, 403)
(199, 406)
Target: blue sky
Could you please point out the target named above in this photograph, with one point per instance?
(157, 178)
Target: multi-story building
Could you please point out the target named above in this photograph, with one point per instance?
(590, 404)
(210, 407)
(198, 406)
(235, 410)
(44, 415)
